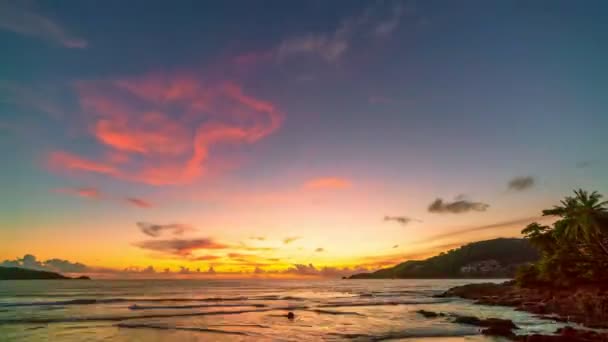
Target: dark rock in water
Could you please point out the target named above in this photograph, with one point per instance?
(291, 315)
(84, 278)
(496, 326)
(476, 291)
(498, 331)
(566, 334)
(470, 320)
(428, 314)
(499, 323)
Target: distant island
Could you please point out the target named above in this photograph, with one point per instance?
(18, 273)
(497, 258)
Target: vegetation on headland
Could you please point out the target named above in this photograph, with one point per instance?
(569, 282)
(574, 250)
(497, 258)
(18, 273)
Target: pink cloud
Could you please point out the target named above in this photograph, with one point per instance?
(85, 192)
(328, 183)
(64, 160)
(159, 128)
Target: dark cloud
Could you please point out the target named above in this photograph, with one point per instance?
(521, 183)
(258, 238)
(290, 239)
(52, 265)
(138, 270)
(458, 206)
(404, 220)
(156, 230)
(205, 258)
(320, 250)
(237, 255)
(138, 202)
(584, 164)
(180, 247)
(395, 246)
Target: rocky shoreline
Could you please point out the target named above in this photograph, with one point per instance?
(587, 306)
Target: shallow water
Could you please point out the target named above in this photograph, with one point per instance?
(241, 310)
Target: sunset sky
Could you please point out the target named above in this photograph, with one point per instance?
(287, 138)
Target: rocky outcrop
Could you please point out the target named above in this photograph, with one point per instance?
(566, 334)
(584, 305)
(505, 328)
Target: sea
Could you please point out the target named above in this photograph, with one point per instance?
(244, 310)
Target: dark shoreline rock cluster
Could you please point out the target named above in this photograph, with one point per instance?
(505, 328)
(584, 305)
(587, 306)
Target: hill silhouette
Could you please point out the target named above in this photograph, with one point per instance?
(17, 273)
(495, 258)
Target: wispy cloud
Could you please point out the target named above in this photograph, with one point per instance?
(458, 206)
(331, 46)
(404, 220)
(156, 230)
(521, 183)
(86, 192)
(319, 250)
(16, 17)
(520, 223)
(387, 26)
(290, 239)
(328, 183)
(138, 202)
(38, 97)
(68, 161)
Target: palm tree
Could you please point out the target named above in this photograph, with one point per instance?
(583, 218)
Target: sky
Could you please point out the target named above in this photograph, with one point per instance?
(279, 139)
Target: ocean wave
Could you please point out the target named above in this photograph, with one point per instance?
(383, 303)
(83, 301)
(410, 333)
(196, 306)
(392, 294)
(125, 318)
(332, 312)
(93, 301)
(166, 327)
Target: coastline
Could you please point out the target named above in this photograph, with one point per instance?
(585, 305)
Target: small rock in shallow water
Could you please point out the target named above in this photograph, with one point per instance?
(427, 314)
(291, 315)
(497, 323)
(498, 331)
